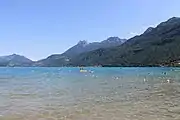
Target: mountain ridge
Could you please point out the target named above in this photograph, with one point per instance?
(82, 46)
(157, 46)
(15, 60)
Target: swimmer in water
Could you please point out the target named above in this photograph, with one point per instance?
(81, 68)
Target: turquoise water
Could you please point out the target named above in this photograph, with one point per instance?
(100, 93)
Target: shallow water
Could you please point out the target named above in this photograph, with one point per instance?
(99, 94)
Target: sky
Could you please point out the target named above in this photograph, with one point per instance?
(39, 28)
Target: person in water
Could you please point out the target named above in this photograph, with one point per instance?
(82, 69)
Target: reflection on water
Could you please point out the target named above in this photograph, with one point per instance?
(104, 94)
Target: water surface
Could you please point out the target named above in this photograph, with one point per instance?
(99, 94)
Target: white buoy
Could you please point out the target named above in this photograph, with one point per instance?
(168, 81)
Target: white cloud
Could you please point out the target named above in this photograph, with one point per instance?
(146, 27)
(134, 33)
(141, 30)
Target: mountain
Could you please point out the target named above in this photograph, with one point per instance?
(84, 46)
(148, 30)
(15, 60)
(156, 46)
(55, 60)
(81, 47)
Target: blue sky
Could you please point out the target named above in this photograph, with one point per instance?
(38, 28)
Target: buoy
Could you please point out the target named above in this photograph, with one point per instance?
(145, 80)
(82, 70)
(168, 81)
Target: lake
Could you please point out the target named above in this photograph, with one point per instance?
(122, 93)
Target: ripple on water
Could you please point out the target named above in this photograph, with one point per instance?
(47, 95)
